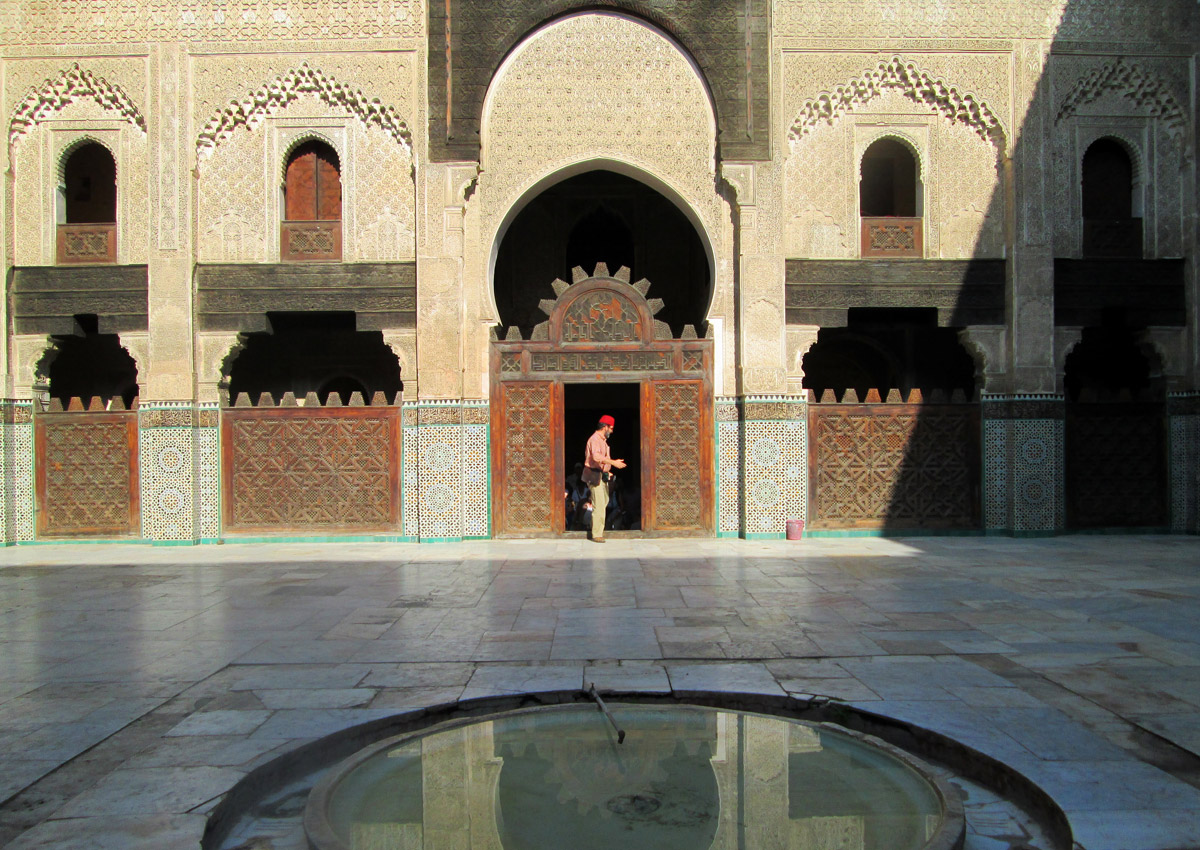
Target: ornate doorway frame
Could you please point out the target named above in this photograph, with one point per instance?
(602, 329)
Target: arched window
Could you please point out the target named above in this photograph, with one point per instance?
(1110, 228)
(889, 201)
(312, 198)
(87, 206)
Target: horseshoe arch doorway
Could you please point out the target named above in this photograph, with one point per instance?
(602, 285)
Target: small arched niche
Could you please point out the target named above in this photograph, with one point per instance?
(312, 203)
(889, 185)
(1112, 224)
(601, 216)
(87, 205)
(890, 201)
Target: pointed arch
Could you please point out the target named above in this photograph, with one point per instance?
(1145, 90)
(288, 87)
(72, 85)
(916, 84)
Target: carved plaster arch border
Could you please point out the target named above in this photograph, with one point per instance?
(286, 88)
(42, 350)
(85, 137)
(56, 93)
(918, 85)
(1144, 89)
(557, 173)
(1137, 157)
(309, 136)
(904, 139)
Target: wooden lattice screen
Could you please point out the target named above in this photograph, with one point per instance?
(333, 469)
(87, 473)
(894, 465)
(1116, 465)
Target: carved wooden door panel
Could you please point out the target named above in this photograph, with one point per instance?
(1116, 465)
(305, 468)
(677, 456)
(528, 458)
(894, 466)
(87, 474)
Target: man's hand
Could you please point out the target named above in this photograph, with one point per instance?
(619, 464)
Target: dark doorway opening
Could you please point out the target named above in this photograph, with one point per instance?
(583, 405)
(317, 352)
(91, 364)
(601, 217)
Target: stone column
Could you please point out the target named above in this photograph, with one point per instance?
(1022, 413)
(167, 445)
(772, 483)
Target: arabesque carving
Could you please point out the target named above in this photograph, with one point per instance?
(288, 87)
(1146, 91)
(916, 84)
(73, 85)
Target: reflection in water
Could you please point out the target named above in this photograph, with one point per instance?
(687, 778)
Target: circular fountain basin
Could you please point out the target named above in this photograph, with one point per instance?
(685, 778)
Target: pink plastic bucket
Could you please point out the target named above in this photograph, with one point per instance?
(795, 529)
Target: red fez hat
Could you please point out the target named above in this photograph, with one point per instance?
(608, 420)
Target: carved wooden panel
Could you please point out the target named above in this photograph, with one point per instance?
(86, 243)
(310, 240)
(678, 477)
(527, 454)
(1116, 465)
(894, 466)
(87, 474)
(329, 469)
(892, 236)
(601, 316)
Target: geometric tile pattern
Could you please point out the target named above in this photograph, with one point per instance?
(439, 464)
(1184, 465)
(729, 467)
(1036, 460)
(1024, 463)
(774, 464)
(409, 477)
(996, 516)
(476, 465)
(167, 469)
(16, 472)
(208, 479)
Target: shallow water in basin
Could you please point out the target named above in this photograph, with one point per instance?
(685, 778)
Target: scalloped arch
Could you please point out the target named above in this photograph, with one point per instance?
(84, 138)
(1132, 149)
(309, 136)
(1146, 91)
(288, 87)
(56, 93)
(910, 143)
(917, 84)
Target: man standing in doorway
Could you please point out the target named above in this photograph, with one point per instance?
(597, 466)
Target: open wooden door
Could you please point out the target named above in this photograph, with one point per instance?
(527, 448)
(677, 433)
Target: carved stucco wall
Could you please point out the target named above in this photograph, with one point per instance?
(605, 88)
(124, 22)
(1140, 101)
(246, 133)
(952, 111)
(599, 87)
(50, 106)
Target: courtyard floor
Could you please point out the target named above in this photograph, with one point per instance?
(139, 683)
